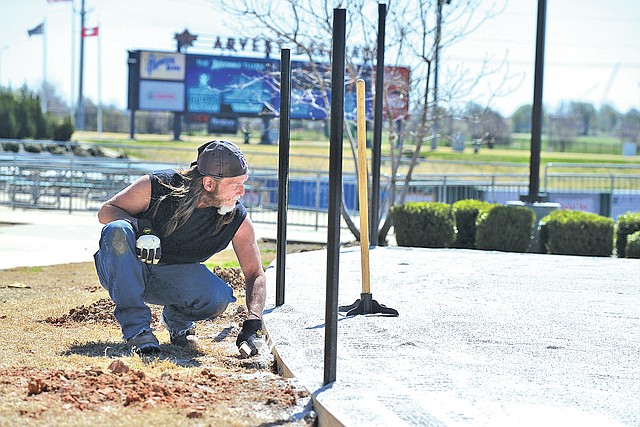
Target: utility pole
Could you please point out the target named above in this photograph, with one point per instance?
(80, 104)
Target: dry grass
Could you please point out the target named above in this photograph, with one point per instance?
(67, 364)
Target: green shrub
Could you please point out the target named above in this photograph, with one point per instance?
(465, 213)
(628, 223)
(568, 232)
(424, 224)
(505, 228)
(8, 124)
(633, 245)
(63, 131)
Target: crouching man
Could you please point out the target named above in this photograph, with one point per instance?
(160, 229)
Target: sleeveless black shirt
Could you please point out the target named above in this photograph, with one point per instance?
(194, 241)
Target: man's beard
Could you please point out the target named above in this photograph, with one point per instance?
(223, 210)
(211, 199)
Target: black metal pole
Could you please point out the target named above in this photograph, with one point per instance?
(134, 81)
(132, 124)
(536, 113)
(335, 194)
(374, 217)
(283, 172)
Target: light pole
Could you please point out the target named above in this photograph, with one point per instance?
(536, 113)
(434, 140)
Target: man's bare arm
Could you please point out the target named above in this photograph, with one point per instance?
(130, 201)
(248, 253)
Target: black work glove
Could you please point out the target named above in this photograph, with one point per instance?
(249, 334)
(147, 243)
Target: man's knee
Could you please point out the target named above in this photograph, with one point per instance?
(118, 235)
(213, 309)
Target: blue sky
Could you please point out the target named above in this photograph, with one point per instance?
(592, 50)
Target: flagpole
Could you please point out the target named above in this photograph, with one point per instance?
(43, 96)
(73, 60)
(99, 41)
(2, 49)
(80, 105)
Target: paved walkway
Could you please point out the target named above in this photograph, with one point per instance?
(31, 237)
(37, 237)
(483, 338)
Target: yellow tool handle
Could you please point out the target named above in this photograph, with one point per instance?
(362, 185)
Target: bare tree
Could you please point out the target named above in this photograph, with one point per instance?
(415, 33)
(563, 130)
(629, 129)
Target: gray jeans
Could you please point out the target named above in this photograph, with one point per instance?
(188, 292)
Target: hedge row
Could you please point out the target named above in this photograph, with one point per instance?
(627, 225)
(21, 117)
(482, 225)
(568, 232)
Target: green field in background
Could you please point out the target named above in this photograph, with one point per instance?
(313, 155)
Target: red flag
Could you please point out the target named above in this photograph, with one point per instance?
(89, 32)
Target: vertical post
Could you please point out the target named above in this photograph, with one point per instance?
(317, 205)
(132, 101)
(44, 66)
(73, 59)
(377, 128)
(99, 118)
(132, 124)
(434, 140)
(2, 49)
(177, 116)
(80, 104)
(177, 126)
(536, 113)
(283, 172)
(335, 194)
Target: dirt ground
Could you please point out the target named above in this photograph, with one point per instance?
(63, 362)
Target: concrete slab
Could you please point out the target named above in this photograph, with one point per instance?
(483, 338)
(31, 237)
(36, 238)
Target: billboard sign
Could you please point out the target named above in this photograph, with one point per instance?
(222, 125)
(307, 99)
(161, 96)
(162, 66)
(231, 87)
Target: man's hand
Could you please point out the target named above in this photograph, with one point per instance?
(147, 243)
(247, 337)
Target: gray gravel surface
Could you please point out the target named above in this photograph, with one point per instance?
(483, 338)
